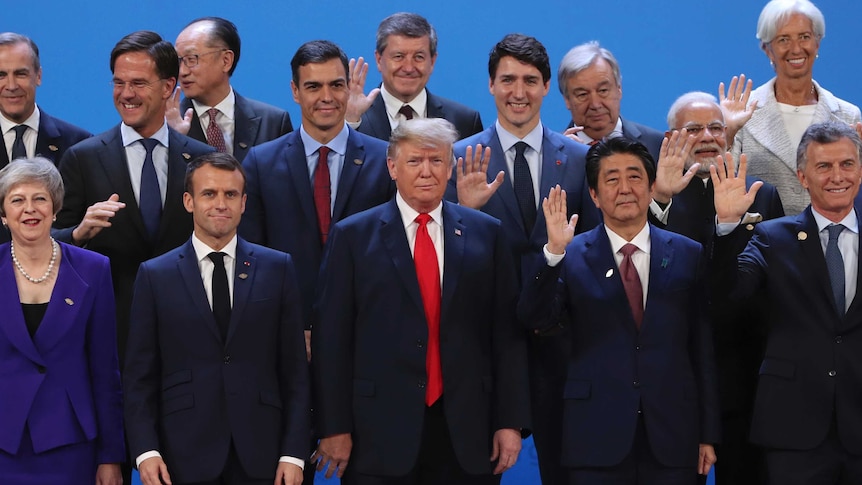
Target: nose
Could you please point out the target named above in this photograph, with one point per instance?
(184, 69)
(625, 186)
(837, 174)
(425, 168)
(518, 89)
(11, 83)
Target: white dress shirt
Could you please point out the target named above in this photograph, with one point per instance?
(533, 154)
(30, 136)
(225, 120)
(135, 154)
(616, 132)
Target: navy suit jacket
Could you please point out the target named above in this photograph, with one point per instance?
(64, 383)
(190, 395)
(280, 213)
(254, 123)
(370, 336)
(666, 369)
(809, 377)
(563, 162)
(96, 168)
(642, 134)
(375, 121)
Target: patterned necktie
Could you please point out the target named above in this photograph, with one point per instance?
(151, 194)
(524, 188)
(323, 193)
(215, 138)
(220, 293)
(18, 150)
(632, 283)
(835, 265)
(428, 274)
(406, 111)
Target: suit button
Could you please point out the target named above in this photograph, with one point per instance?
(226, 359)
(636, 383)
(838, 339)
(637, 347)
(832, 373)
(420, 343)
(41, 369)
(421, 384)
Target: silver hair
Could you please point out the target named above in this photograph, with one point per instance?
(776, 12)
(823, 133)
(430, 132)
(40, 171)
(581, 57)
(685, 100)
(409, 25)
(11, 38)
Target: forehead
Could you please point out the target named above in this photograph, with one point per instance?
(195, 36)
(323, 72)
(795, 24)
(208, 177)
(426, 148)
(620, 162)
(135, 64)
(401, 43)
(841, 150)
(27, 186)
(509, 66)
(699, 113)
(18, 53)
(598, 72)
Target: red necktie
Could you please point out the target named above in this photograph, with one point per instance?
(215, 138)
(632, 284)
(428, 273)
(322, 193)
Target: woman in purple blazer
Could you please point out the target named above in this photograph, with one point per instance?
(60, 404)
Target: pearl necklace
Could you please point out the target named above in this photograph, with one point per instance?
(45, 276)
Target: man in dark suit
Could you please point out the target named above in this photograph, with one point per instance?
(209, 49)
(520, 74)
(419, 365)
(641, 404)
(808, 405)
(216, 381)
(405, 54)
(124, 187)
(591, 84)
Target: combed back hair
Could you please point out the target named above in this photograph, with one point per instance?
(612, 146)
(523, 48)
(427, 132)
(220, 160)
(823, 133)
(160, 51)
(406, 24)
(37, 171)
(685, 100)
(776, 12)
(223, 34)
(316, 52)
(11, 38)
(581, 57)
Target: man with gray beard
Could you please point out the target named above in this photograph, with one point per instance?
(683, 203)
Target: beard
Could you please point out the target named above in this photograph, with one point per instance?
(705, 162)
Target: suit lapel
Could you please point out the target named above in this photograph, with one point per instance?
(243, 280)
(813, 253)
(395, 239)
(454, 240)
(187, 264)
(297, 168)
(768, 126)
(12, 324)
(67, 300)
(497, 164)
(246, 127)
(434, 107)
(116, 166)
(354, 160)
(379, 120)
(554, 164)
(48, 139)
(660, 266)
(851, 318)
(630, 131)
(600, 258)
(195, 129)
(178, 158)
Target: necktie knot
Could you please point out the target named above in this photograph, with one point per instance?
(628, 249)
(213, 113)
(19, 130)
(406, 111)
(323, 153)
(423, 219)
(215, 138)
(18, 148)
(834, 231)
(520, 148)
(217, 258)
(149, 144)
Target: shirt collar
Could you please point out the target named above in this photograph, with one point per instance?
(226, 106)
(393, 104)
(131, 136)
(202, 251)
(533, 138)
(850, 222)
(32, 122)
(337, 144)
(641, 240)
(616, 132)
(408, 214)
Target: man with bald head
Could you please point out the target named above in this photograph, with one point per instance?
(209, 49)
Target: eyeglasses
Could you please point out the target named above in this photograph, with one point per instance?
(135, 86)
(714, 129)
(192, 60)
(784, 41)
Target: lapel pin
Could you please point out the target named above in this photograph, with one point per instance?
(457, 232)
(664, 262)
(357, 161)
(243, 145)
(246, 263)
(53, 148)
(609, 273)
(187, 156)
(559, 162)
(802, 235)
(69, 301)
(750, 227)
(243, 276)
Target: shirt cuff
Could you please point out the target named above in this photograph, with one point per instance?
(658, 212)
(293, 461)
(552, 259)
(144, 456)
(354, 124)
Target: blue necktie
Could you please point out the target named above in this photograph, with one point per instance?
(524, 188)
(18, 150)
(835, 265)
(151, 195)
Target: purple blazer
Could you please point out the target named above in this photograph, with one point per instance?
(65, 381)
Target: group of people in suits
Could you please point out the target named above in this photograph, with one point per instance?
(245, 263)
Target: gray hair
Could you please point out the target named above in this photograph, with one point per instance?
(429, 132)
(11, 38)
(580, 57)
(39, 171)
(823, 133)
(409, 25)
(685, 100)
(776, 12)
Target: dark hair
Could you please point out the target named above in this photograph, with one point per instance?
(161, 51)
(823, 133)
(11, 38)
(409, 25)
(222, 33)
(612, 146)
(316, 52)
(224, 161)
(523, 48)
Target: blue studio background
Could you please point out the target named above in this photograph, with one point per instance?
(665, 48)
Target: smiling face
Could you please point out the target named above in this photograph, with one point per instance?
(706, 122)
(623, 193)
(322, 94)
(208, 82)
(19, 79)
(405, 65)
(593, 96)
(216, 203)
(139, 94)
(29, 211)
(518, 91)
(832, 175)
(421, 173)
(794, 48)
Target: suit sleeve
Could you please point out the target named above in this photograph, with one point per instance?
(736, 278)
(477, 126)
(251, 226)
(74, 201)
(539, 305)
(293, 369)
(105, 370)
(702, 356)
